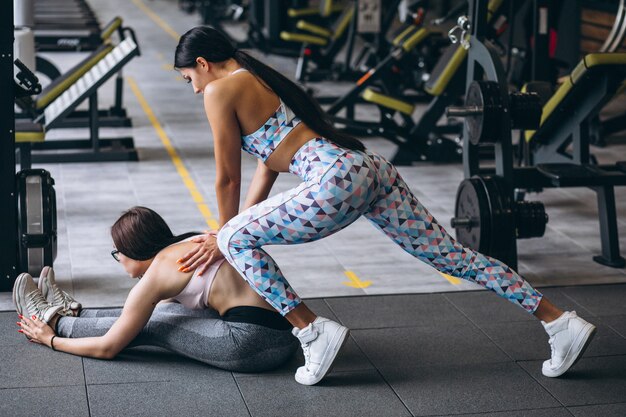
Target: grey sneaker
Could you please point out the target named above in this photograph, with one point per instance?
(569, 337)
(56, 296)
(30, 302)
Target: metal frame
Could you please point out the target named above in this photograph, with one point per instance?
(8, 196)
(485, 63)
(94, 148)
(618, 31)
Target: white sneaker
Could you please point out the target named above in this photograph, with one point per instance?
(569, 337)
(30, 302)
(321, 341)
(56, 296)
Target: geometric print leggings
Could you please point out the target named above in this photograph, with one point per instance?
(339, 186)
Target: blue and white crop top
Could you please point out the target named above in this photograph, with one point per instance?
(265, 139)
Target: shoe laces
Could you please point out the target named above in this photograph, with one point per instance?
(36, 304)
(61, 297)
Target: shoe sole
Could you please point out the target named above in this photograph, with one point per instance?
(339, 340)
(40, 281)
(579, 346)
(18, 289)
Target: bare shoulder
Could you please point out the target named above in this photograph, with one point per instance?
(164, 269)
(227, 91)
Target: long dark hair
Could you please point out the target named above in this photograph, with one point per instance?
(140, 233)
(213, 46)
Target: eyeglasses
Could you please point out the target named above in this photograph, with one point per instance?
(115, 254)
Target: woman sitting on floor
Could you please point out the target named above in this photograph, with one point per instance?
(215, 318)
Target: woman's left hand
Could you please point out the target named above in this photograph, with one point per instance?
(36, 330)
(203, 255)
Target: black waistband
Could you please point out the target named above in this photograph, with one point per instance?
(257, 315)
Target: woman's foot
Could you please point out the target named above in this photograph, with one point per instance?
(569, 337)
(56, 296)
(30, 302)
(321, 341)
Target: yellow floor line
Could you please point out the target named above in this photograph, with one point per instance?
(155, 17)
(453, 280)
(355, 282)
(178, 163)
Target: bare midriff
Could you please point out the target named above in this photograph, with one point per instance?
(280, 159)
(230, 290)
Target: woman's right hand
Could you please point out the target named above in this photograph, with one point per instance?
(203, 255)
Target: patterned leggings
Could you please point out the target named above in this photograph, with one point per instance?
(339, 186)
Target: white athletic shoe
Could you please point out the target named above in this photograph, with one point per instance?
(56, 296)
(321, 341)
(569, 337)
(30, 302)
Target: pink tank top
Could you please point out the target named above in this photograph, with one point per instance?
(195, 295)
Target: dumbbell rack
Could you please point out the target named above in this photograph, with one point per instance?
(487, 217)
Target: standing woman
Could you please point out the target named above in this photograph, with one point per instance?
(250, 106)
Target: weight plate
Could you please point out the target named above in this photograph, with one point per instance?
(472, 203)
(502, 218)
(484, 127)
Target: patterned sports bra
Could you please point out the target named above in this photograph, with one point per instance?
(265, 139)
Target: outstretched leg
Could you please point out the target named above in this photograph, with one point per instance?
(197, 334)
(399, 214)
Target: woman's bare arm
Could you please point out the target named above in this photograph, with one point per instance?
(219, 106)
(138, 308)
(261, 185)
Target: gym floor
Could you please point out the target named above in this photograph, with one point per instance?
(421, 344)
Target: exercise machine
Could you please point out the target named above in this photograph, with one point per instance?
(487, 216)
(27, 200)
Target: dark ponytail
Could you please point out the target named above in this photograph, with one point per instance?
(140, 233)
(213, 46)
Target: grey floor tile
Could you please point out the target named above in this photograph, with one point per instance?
(487, 307)
(362, 393)
(350, 358)
(544, 412)
(414, 347)
(69, 401)
(395, 311)
(560, 299)
(605, 410)
(599, 380)
(148, 364)
(602, 300)
(6, 302)
(31, 365)
(473, 388)
(529, 341)
(8, 328)
(320, 308)
(207, 397)
(617, 323)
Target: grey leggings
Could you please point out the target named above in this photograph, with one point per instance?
(197, 334)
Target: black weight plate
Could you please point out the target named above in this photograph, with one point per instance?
(501, 217)
(492, 112)
(474, 123)
(472, 203)
(485, 127)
